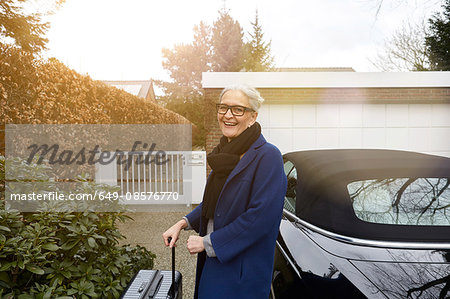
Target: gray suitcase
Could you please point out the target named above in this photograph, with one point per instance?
(156, 284)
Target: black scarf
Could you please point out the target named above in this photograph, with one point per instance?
(222, 160)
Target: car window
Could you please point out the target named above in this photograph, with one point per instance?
(406, 201)
(291, 174)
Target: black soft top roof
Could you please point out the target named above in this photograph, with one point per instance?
(323, 199)
(320, 165)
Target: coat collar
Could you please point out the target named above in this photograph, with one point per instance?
(248, 157)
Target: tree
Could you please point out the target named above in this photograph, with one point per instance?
(396, 4)
(227, 44)
(438, 39)
(219, 48)
(405, 50)
(23, 29)
(258, 56)
(185, 64)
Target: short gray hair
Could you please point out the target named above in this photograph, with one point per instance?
(254, 98)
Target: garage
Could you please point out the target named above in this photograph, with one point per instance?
(322, 110)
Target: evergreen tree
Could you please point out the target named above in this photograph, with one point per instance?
(258, 56)
(438, 40)
(227, 44)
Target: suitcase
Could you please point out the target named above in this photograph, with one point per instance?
(155, 284)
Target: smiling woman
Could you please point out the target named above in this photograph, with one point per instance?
(231, 112)
(239, 216)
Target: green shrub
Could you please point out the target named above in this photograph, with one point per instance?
(65, 255)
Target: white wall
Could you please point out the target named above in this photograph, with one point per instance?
(415, 127)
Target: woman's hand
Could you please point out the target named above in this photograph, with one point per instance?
(173, 232)
(195, 244)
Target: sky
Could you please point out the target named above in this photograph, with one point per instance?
(122, 40)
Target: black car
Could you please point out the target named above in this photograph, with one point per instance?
(364, 223)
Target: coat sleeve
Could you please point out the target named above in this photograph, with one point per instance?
(194, 217)
(263, 213)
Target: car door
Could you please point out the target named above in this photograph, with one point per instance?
(302, 268)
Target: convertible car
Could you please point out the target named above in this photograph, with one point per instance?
(364, 224)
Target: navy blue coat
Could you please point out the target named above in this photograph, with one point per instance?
(246, 222)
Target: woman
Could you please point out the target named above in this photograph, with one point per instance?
(242, 205)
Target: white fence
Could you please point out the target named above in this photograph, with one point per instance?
(176, 177)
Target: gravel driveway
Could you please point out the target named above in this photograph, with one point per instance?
(147, 229)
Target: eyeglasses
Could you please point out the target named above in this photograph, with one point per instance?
(235, 110)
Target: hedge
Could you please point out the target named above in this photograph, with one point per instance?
(36, 91)
(65, 255)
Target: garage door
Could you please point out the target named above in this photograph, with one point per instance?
(415, 127)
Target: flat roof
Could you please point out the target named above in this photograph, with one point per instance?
(327, 79)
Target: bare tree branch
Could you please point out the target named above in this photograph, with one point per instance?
(429, 285)
(400, 192)
(405, 50)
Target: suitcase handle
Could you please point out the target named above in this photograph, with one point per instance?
(172, 288)
(148, 289)
(154, 286)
